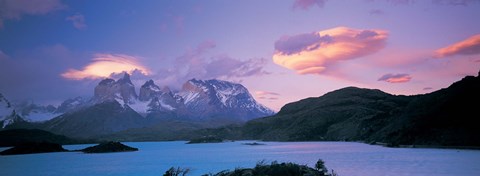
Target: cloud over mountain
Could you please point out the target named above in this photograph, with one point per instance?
(312, 53)
(196, 63)
(469, 46)
(104, 65)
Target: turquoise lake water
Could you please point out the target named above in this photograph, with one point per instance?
(154, 158)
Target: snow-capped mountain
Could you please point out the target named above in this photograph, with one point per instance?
(8, 115)
(221, 98)
(121, 90)
(6, 108)
(25, 111)
(33, 112)
(196, 100)
(71, 104)
(28, 111)
(116, 106)
(158, 99)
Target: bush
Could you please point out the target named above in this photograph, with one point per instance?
(177, 171)
(264, 169)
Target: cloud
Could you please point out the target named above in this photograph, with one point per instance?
(104, 65)
(401, 2)
(15, 9)
(312, 53)
(266, 95)
(376, 12)
(78, 21)
(306, 4)
(454, 2)
(33, 74)
(469, 46)
(427, 88)
(437, 2)
(395, 78)
(196, 63)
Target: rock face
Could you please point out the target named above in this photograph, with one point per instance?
(103, 118)
(109, 147)
(13, 121)
(6, 108)
(197, 100)
(210, 98)
(444, 117)
(35, 147)
(121, 90)
(71, 105)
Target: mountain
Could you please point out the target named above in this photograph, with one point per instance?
(6, 108)
(19, 136)
(213, 98)
(116, 107)
(71, 105)
(31, 112)
(446, 117)
(121, 90)
(103, 118)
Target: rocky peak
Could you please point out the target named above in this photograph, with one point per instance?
(107, 82)
(149, 90)
(70, 104)
(208, 97)
(121, 90)
(125, 79)
(5, 107)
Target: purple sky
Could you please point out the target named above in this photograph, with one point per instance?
(282, 51)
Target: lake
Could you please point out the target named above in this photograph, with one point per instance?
(154, 158)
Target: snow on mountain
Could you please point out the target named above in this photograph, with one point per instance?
(71, 104)
(198, 99)
(5, 107)
(216, 97)
(24, 111)
(11, 119)
(121, 90)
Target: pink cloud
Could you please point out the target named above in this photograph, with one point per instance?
(469, 46)
(197, 63)
(395, 78)
(312, 53)
(15, 9)
(78, 21)
(266, 95)
(306, 4)
(105, 65)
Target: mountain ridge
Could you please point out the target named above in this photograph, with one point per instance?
(441, 118)
(115, 106)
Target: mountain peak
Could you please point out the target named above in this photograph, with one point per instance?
(106, 81)
(125, 78)
(148, 83)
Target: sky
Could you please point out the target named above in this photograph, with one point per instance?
(280, 50)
